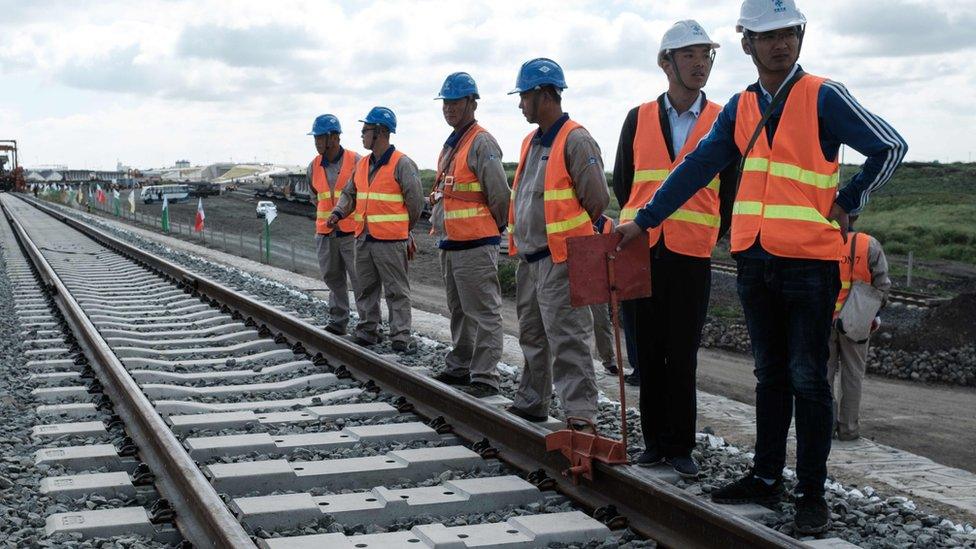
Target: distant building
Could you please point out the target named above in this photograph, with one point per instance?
(182, 164)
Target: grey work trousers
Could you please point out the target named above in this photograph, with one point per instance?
(474, 298)
(848, 360)
(381, 269)
(603, 333)
(555, 339)
(337, 261)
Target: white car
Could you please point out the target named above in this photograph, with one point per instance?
(265, 206)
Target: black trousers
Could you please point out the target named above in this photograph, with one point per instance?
(669, 326)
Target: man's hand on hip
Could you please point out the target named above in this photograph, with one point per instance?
(842, 218)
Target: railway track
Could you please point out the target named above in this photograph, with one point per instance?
(256, 427)
(922, 301)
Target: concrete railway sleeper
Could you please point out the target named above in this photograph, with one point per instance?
(308, 439)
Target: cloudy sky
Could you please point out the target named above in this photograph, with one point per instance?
(85, 84)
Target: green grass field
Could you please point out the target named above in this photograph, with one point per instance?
(926, 208)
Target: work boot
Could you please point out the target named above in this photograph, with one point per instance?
(649, 458)
(453, 379)
(632, 379)
(610, 368)
(686, 466)
(582, 427)
(812, 516)
(480, 389)
(405, 347)
(749, 489)
(362, 340)
(337, 329)
(525, 415)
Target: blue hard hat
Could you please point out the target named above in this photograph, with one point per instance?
(382, 116)
(325, 123)
(458, 85)
(539, 72)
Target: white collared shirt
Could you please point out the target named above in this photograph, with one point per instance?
(682, 123)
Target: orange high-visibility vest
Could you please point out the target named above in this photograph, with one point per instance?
(327, 199)
(466, 213)
(379, 204)
(786, 190)
(861, 271)
(565, 216)
(693, 228)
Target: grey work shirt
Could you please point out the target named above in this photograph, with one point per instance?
(585, 167)
(485, 160)
(407, 175)
(332, 170)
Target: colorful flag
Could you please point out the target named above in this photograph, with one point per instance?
(198, 224)
(116, 203)
(99, 194)
(164, 219)
(132, 201)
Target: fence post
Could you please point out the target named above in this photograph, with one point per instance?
(911, 261)
(243, 254)
(225, 240)
(294, 267)
(261, 247)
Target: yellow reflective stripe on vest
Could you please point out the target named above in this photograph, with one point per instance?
(357, 216)
(473, 187)
(383, 218)
(838, 306)
(807, 177)
(845, 284)
(755, 165)
(628, 213)
(698, 218)
(322, 215)
(796, 213)
(559, 194)
(650, 176)
(792, 172)
(323, 196)
(713, 184)
(383, 197)
(747, 208)
(465, 213)
(511, 228)
(568, 225)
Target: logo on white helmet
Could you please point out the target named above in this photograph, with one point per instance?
(779, 6)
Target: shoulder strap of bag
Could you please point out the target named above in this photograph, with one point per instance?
(851, 266)
(778, 99)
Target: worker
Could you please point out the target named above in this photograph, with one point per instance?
(654, 139)
(469, 202)
(848, 357)
(559, 190)
(328, 173)
(788, 222)
(602, 323)
(386, 200)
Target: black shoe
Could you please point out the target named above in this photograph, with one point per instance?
(610, 369)
(453, 379)
(337, 329)
(525, 415)
(479, 389)
(632, 379)
(749, 489)
(362, 341)
(405, 347)
(812, 516)
(649, 458)
(684, 466)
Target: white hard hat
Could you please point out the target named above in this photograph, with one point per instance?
(685, 33)
(767, 15)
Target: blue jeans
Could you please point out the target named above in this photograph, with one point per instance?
(788, 305)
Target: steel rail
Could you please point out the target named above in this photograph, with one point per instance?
(201, 516)
(653, 508)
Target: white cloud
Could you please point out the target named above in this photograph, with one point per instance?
(151, 82)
